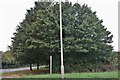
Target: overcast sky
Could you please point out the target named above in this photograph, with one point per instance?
(13, 11)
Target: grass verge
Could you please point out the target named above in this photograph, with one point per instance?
(113, 74)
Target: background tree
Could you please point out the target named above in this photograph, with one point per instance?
(7, 59)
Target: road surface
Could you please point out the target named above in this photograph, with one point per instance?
(15, 69)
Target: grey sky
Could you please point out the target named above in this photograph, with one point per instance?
(13, 11)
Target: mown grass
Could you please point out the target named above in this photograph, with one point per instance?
(37, 75)
(113, 74)
(44, 73)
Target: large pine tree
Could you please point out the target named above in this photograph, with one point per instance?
(86, 41)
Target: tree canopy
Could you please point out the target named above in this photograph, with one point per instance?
(86, 41)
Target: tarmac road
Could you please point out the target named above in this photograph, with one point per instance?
(15, 69)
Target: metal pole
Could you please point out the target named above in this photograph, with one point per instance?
(62, 66)
(50, 64)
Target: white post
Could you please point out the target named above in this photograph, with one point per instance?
(50, 64)
(62, 66)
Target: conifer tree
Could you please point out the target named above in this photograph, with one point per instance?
(86, 41)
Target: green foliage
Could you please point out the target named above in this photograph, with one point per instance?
(86, 41)
(8, 60)
(8, 57)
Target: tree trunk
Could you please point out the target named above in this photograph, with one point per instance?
(31, 67)
(37, 66)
